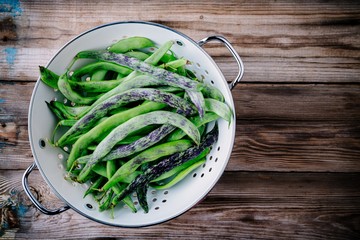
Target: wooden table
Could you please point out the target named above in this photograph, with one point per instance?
(294, 170)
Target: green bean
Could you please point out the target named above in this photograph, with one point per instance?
(91, 67)
(131, 43)
(95, 86)
(127, 200)
(136, 54)
(167, 58)
(62, 109)
(183, 166)
(55, 111)
(181, 71)
(95, 186)
(136, 82)
(146, 156)
(127, 140)
(120, 132)
(197, 121)
(105, 201)
(98, 75)
(143, 67)
(220, 108)
(106, 126)
(101, 169)
(198, 99)
(49, 77)
(170, 78)
(174, 65)
(137, 146)
(120, 99)
(70, 94)
(169, 163)
(73, 111)
(181, 175)
(141, 196)
(153, 60)
(110, 168)
(65, 123)
(212, 92)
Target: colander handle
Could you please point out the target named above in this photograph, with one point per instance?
(33, 199)
(232, 50)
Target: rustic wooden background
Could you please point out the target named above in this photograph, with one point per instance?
(295, 169)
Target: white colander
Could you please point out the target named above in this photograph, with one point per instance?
(163, 204)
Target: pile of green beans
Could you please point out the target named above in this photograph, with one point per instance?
(135, 117)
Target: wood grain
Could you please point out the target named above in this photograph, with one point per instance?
(294, 170)
(283, 41)
(276, 125)
(285, 205)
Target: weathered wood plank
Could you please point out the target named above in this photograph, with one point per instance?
(302, 127)
(285, 205)
(285, 37)
(300, 102)
(259, 146)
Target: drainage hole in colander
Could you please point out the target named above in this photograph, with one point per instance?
(42, 143)
(202, 175)
(216, 159)
(157, 208)
(89, 206)
(194, 175)
(60, 156)
(154, 199)
(206, 71)
(212, 82)
(198, 64)
(135, 203)
(166, 192)
(211, 157)
(180, 43)
(164, 201)
(202, 77)
(210, 169)
(153, 192)
(203, 165)
(218, 148)
(60, 166)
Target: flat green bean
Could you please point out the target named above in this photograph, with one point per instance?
(106, 126)
(120, 132)
(69, 93)
(150, 154)
(131, 43)
(181, 175)
(49, 77)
